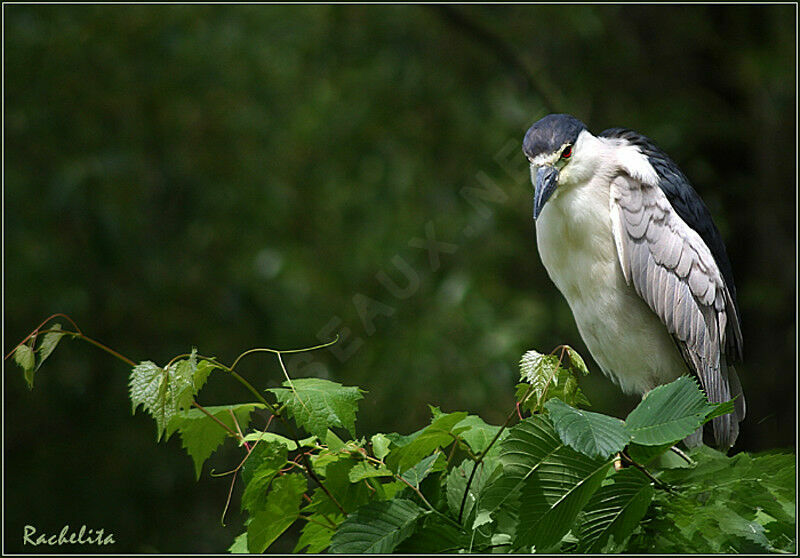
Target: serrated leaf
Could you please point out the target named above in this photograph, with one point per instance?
(164, 392)
(377, 527)
(434, 535)
(261, 466)
(24, 357)
(316, 534)
(281, 510)
(439, 433)
(591, 434)
(721, 504)
(552, 480)
(576, 361)
(614, 511)
(317, 404)
(544, 379)
(239, 545)
(201, 435)
(668, 413)
(49, 342)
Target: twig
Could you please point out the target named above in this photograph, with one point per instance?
(215, 419)
(647, 473)
(677, 451)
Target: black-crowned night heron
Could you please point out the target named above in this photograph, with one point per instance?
(633, 249)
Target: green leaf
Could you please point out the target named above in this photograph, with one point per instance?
(317, 404)
(669, 413)
(337, 480)
(614, 511)
(478, 434)
(261, 466)
(164, 392)
(24, 357)
(416, 474)
(589, 433)
(363, 470)
(439, 433)
(646, 454)
(376, 528)
(316, 534)
(201, 435)
(270, 437)
(552, 481)
(434, 535)
(740, 504)
(576, 361)
(239, 545)
(281, 510)
(49, 343)
(380, 445)
(457, 485)
(544, 379)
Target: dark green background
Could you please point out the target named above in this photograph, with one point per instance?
(232, 177)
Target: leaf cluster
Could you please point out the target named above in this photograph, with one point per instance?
(564, 479)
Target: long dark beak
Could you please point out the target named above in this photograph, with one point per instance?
(544, 182)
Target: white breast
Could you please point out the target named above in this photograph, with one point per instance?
(625, 337)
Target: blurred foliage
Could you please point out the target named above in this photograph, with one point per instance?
(237, 176)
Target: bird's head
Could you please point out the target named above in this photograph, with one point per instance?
(557, 147)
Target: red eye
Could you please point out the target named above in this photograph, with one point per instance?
(567, 153)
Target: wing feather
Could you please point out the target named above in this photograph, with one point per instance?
(673, 270)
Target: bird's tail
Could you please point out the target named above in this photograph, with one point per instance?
(725, 428)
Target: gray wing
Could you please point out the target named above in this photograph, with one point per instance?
(673, 270)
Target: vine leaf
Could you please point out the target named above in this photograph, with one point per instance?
(441, 432)
(376, 528)
(317, 404)
(49, 343)
(163, 392)
(201, 435)
(25, 356)
(263, 463)
(26, 359)
(239, 545)
(614, 511)
(591, 434)
(282, 508)
(316, 534)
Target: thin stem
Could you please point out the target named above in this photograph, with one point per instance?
(682, 455)
(36, 330)
(647, 473)
(278, 352)
(238, 429)
(215, 419)
(483, 454)
(425, 500)
(109, 350)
